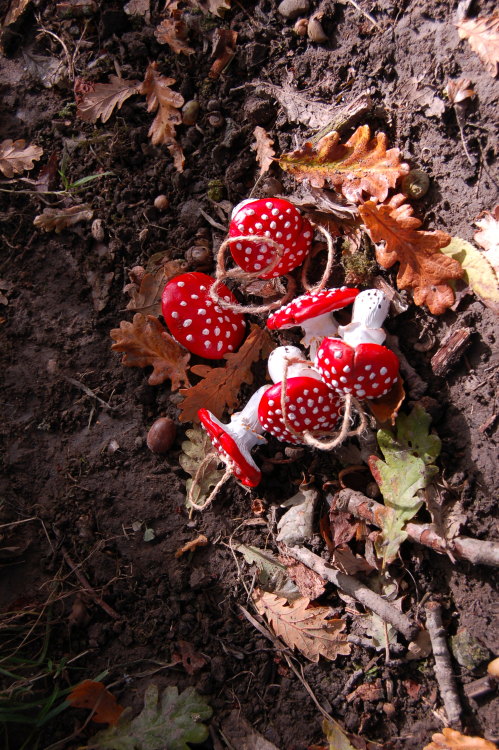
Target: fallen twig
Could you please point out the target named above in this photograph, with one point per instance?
(474, 550)
(88, 588)
(443, 666)
(357, 590)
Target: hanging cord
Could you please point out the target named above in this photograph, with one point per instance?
(307, 437)
(229, 471)
(329, 265)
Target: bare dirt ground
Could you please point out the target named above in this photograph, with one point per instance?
(75, 463)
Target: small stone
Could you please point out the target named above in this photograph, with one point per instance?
(293, 8)
(161, 202)
(301, 27)
(161, 436)
(113, 446)
(98, 230)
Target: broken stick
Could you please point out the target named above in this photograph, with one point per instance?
(357, 590)
(443, 665)
(474, 550)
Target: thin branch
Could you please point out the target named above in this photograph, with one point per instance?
(88, 588)
(443, 665)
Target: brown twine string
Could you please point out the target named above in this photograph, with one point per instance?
(329, 265)
(308, 437)
(229, 471)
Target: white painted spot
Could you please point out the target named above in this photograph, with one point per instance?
(180, 283)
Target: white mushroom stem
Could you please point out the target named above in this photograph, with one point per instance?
(316, 329)
(368, 315)
(279, 358)
(244, 426)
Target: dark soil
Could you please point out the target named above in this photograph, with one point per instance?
(80, 473)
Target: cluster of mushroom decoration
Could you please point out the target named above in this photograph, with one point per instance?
(268, 238)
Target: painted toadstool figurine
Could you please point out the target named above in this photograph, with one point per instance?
(312, 311)
(235, 440)
(198, 323)
(357, 363)
(280, 221)
(310, 405)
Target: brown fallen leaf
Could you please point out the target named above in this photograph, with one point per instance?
(263, 147)
(224, 49)
(145, 342)
(482, 34)
(309, 582)
(368, 691)
(199, 541)
(174, 31)
(192, 660)
(422, 268)
(386, 408)
(166, 103)
(146, 298)
(361, 165)
(308, 630)
(16, 157)
(103, 98)
(100, 284)
(96, 697)
(219, 388)
(215, 7)
(459, 90)
(451, 739)
(57, 219)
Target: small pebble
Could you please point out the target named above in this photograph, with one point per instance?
(161, 202)
(293, 8)
(161, 436)
(98, 230)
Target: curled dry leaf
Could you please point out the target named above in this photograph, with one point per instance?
(361, 165)
(147, 296)
(459, 90)
(263, 147)
(199, 541)
(102, 98)
(479, 273)
(194, 451)
(166, 103)
(192, 660)
(308, 630)
(96, 697)
(224, 49)
(386, 408)
(215, 7)
(483, 36)
(220, 385)
(57, 219)
(146, 343)
(173, 31)
(423, 268)
(16, 157)
(451, 739)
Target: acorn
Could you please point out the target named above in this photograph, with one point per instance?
(416, 184)
(161, 435)
(190, 112)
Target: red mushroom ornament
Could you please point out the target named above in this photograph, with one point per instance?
(197, 322)
(312, 311)
(309, 404)
(357, 363)
(280, 221)
(235, 440)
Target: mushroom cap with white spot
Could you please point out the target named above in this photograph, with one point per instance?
(366, 371)
(193, 319)
(311, 305)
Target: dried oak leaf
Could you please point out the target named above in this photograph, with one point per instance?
(308, 630)
(386, 408)
(483, 36)
(96, 697)
(102, 98)
(215, 7)
(57, 219)
(174, 31)
(479, 273)
(263, 147)
(145, 342)
(147, 296)
(166, 102)
(16, 157)
(194, 450)
(422, 267)
(361, 165)
(451, 739)
(219, 388)
(224, 49)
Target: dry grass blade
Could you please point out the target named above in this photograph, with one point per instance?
(263, 147)
(146, 343)
(308, 630)
(423, 268)
(166, 102)
(16, 157)
(361, 165)
(101, 101)
(483, 36)
(57, 219)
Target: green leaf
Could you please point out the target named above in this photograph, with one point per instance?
(194, 452)
(169, 721)
(478, 272)
(273, 575)
(405, 472)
